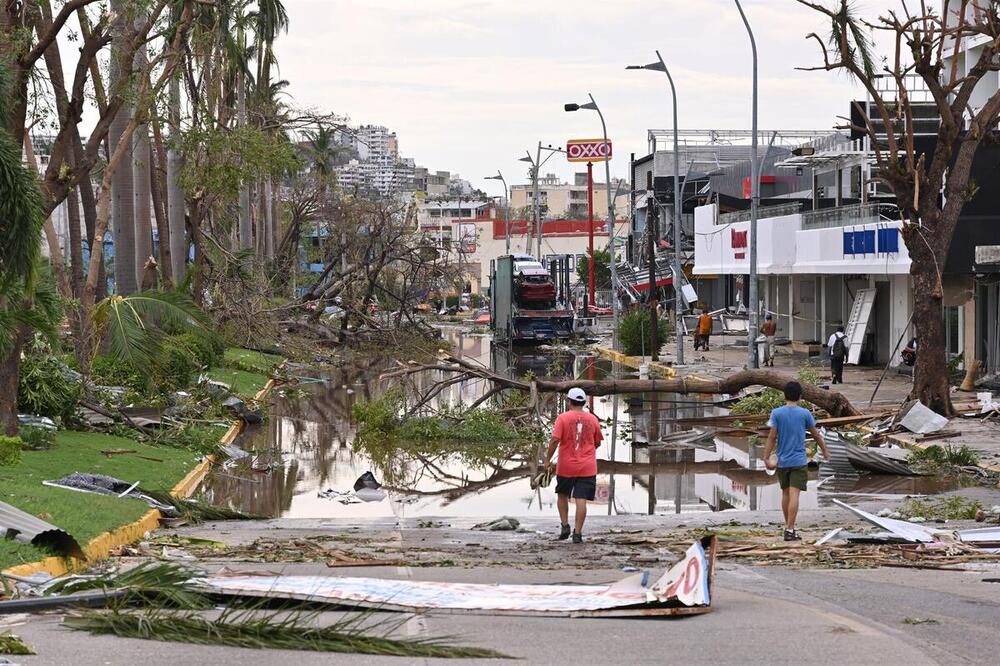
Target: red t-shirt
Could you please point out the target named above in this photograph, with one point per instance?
(579, 433)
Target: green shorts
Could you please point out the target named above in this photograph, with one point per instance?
(796, 477)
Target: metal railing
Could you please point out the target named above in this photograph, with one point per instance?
(762, 212)
(846, 216)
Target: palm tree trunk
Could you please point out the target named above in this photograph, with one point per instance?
(142, 186)
(175, 196)
(246, 230)
(272, 217)
(122, 192)
(140, 175)
(157, 169)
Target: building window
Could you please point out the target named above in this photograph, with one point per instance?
(953, 330)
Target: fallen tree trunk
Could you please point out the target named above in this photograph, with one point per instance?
(833, 402)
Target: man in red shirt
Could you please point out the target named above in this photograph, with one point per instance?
(577, 434)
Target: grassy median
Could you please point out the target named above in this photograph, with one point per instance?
(156, 467)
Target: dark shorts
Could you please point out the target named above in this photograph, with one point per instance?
(577, 487)
(795, 477)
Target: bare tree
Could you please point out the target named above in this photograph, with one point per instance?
(932, 187)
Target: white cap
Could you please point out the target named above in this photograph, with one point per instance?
(577, 395)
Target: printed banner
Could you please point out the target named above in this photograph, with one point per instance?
(684, 588)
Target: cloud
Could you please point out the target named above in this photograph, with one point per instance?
(468, 85)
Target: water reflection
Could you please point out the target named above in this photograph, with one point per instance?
(306, 446)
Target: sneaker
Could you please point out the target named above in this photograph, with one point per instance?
(792, 535)
(564, 533)
(577, 537)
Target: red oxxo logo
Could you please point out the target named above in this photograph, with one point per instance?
(739, 243)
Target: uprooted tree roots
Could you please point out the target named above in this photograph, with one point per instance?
(834, 403)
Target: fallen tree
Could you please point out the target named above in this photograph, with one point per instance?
(833, 402)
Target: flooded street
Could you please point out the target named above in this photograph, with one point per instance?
(307, 447)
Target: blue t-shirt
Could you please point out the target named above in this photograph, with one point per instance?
(792, 422)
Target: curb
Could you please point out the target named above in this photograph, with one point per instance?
(667, 371)
(100, 547)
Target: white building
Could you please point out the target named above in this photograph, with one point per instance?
(378, 167)
(812, 266)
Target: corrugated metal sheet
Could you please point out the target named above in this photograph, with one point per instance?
(26, 528)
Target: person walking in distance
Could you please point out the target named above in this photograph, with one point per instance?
(768, 330)
(788, 432)
(577, 434)
(704, 330)
(838, 354)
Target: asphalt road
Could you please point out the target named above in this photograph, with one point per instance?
(763, 614)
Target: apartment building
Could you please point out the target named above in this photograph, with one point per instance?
(560, 200)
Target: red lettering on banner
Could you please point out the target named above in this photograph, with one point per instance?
(691, 576)
(738, 239)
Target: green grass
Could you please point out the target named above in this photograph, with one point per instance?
(244, 370)
(84, 515)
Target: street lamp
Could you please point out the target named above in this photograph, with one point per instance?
(536, 165)
(592, 106)
(506, 199)
(660, 66)
(753, 308)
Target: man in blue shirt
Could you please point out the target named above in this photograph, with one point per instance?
(788, 430)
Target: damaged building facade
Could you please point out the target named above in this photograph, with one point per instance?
(829, 248)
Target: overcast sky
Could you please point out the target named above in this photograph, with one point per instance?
(468, 85)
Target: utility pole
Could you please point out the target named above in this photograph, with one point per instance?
(538, 206)
(752, 307)
(679, 303)
(590, 239)
(651, 235)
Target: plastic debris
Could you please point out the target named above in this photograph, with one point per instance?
(919, 419)
(504, 524)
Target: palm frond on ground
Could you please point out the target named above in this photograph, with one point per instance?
(134, 325)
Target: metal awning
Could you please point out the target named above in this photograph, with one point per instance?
(26, 528)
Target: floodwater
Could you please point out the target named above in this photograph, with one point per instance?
(307, 446)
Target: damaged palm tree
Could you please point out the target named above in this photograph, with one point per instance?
(172, 596)
(460, 370)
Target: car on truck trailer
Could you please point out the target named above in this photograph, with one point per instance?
(529, 303)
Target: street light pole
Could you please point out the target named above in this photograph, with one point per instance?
(538, 207)
(506, 206)
(592, 106)
(752, 307)
(679, 303)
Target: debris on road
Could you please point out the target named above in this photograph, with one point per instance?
(846, 457)
(504, 524)
(901, 528)
(685, 589)
(12, 644)
(921, 420)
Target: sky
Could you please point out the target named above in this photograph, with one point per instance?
(469, 85)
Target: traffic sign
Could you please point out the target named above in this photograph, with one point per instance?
(588, 150)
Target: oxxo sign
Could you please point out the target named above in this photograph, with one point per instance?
(588, 150)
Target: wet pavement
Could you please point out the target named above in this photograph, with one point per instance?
(307, 447)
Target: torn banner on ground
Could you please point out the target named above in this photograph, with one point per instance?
(685, 589)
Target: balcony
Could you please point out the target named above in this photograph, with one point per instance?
(762, 212)
(848, 216)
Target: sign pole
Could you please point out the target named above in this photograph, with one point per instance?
(590, 238)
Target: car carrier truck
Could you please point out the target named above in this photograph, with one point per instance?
(529, 303)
